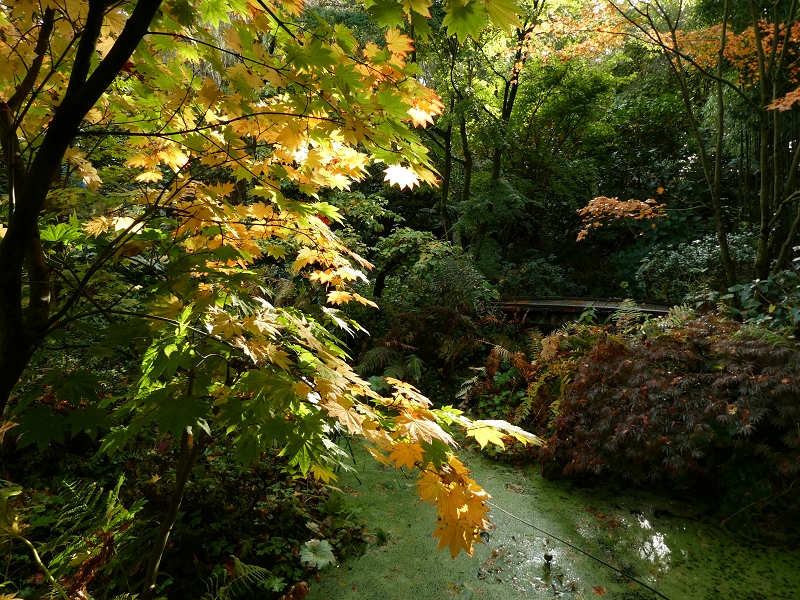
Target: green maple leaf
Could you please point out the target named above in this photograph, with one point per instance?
(392, 103)
(176, 414)
(503, 14)
(90, 419)
(214, 11)
(314, 57)
(387, 12)
(421, 26)
(464, 19)
(39, 424)
(60, 232)
(77, 385)
(434, 453)
(248, 448)
(183, 11)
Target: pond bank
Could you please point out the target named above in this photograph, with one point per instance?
(665, 543)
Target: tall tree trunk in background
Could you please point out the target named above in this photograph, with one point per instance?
(466, 188)
(716, 189)
(711, 172)
(447, 176)
(778, 158)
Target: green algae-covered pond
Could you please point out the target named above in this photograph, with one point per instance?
(667, 544)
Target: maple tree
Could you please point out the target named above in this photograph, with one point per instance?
(158, 157)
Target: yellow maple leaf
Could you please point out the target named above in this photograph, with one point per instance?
(364, 301)
(173, 157)
(511, 430)
(261, 211)
(418, 429)
(209, 93)
(430, 486)
(474, 507)
(278, 357)
(406, 454)
(458, 536)
(223, 323)
(149, 177)
(339, 297)
(399, 43)
(484, 434)
(304, 257)
(401, 176)
(104, 45)
(346, 416)
(450, 503)
(97, 226)
(419, 117)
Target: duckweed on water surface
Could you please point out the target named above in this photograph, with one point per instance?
(668, 544)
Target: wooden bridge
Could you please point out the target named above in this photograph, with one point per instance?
(551, 312)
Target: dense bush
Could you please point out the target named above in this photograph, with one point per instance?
(682, 399)
(672, 273)
(773, 302)
(434, 312)
(537, 277)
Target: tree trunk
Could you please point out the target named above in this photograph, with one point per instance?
(447, 176)
(188, 455)
(23, 328)
(466, 188)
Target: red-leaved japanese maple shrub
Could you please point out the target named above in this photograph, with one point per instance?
(684, 401)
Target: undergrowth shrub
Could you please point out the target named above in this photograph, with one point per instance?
(682, 399)
(243, 532)
(773, 302)
(537, 277)
(671, 273)
(435, 312)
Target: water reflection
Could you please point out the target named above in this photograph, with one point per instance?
(654, 547)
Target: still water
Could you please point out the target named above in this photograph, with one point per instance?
(670, 545)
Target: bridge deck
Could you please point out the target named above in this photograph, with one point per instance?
(577, 305)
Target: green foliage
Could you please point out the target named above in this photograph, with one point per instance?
(90, 536)
(773, 302)
(317, 554)
(537, 277)
(243, 580)
(672, 273)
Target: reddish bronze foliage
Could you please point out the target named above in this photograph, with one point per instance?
(680, 402)
(603, 211)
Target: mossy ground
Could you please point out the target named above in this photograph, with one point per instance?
(666, 543)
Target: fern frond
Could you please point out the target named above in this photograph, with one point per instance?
(467, 386)
(770, 336)
(500, 353)
(414, 366)
(535, 338)
(243, 579)
(375, 359)
(629, 316)
(395, 370)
